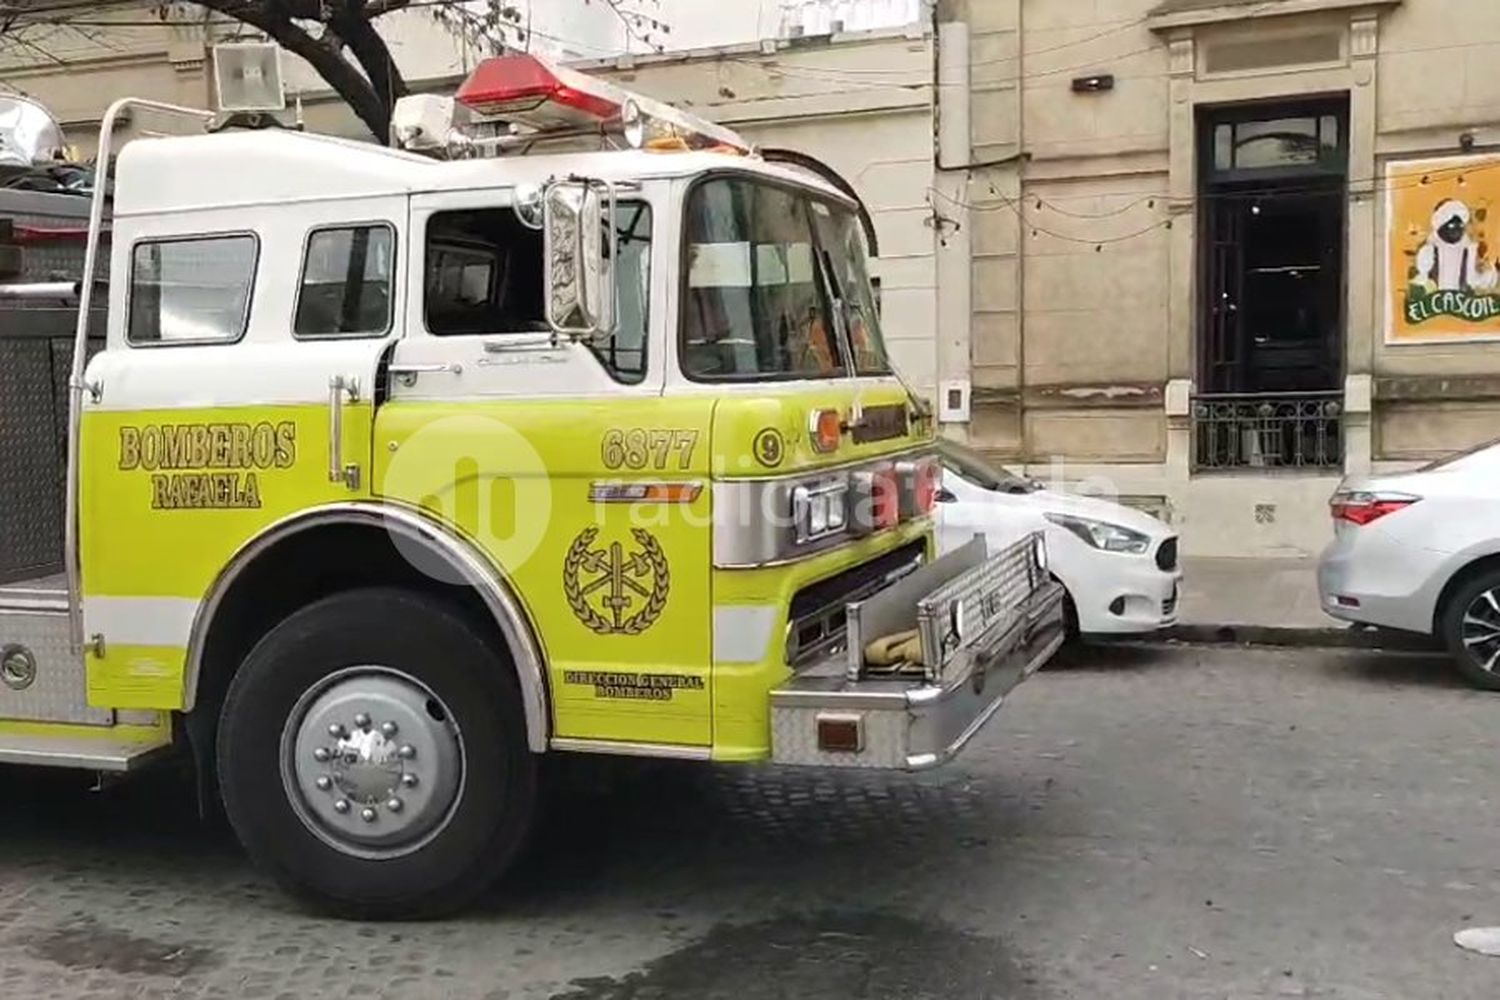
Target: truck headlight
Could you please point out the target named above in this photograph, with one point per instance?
(819, 511)
(1103, 535)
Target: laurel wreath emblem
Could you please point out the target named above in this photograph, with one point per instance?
(582, 554)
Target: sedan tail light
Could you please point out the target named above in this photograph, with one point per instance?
(1359, 507)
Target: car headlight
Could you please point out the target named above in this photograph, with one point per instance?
(1102, 534)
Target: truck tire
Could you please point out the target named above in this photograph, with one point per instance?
(1470, 618)
(372, 756)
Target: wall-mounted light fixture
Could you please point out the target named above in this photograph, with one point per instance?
(1096, 84)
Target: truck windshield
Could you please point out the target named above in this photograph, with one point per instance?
(776, 287)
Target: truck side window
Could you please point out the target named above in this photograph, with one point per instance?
(841, 243)
(624, 354)
(483, 274)
(346, 282)
(191, 290)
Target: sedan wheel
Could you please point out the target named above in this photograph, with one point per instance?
(1472, 630)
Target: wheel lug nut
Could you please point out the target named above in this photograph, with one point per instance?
(341, 806)
(367, 814)
(324, 782)
(393, 804)
(409, 780)
(362, 721)
(407, 751)
(337, 731)
(388, 729)
(321, 755)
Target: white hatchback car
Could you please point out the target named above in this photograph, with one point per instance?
(1118, 565)
(1420, 552)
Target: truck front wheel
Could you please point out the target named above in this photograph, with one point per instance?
(373, 759)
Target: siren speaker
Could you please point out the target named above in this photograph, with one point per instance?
(248, 75)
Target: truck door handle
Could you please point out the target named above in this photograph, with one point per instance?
(338, 472)
(407, 374)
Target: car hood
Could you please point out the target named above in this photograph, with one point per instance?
(1094, 508)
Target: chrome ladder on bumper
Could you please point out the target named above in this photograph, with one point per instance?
(987, 623)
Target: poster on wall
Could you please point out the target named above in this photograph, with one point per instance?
(1442, 244)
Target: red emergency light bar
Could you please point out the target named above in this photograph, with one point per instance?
(524, 89)
(531, 92)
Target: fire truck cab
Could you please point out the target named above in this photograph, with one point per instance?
(391, 473)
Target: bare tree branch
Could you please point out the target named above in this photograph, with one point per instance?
(373, 55)
(18, 36)
(339, 38)
(380, 8)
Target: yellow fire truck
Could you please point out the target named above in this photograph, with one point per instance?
(395, 469)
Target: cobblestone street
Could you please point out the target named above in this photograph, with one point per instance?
(1140, 822)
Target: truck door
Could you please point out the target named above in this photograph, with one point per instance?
(235, 390)
(588, 489)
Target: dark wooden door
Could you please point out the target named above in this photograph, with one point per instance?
(1222, 341)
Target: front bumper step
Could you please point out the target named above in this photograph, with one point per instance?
(906, 723)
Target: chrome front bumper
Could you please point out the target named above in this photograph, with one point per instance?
(915, 723)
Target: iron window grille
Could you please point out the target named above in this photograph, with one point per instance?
(1268, 430)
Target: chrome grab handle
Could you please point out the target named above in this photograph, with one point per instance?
(407, 374)
(432, 369)
(338, 472)
(522, 342)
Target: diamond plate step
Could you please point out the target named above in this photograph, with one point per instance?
(86, 753)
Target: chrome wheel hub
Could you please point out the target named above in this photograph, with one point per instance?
(372, 762)
(1481, 630)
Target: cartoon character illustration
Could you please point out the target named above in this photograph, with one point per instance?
(1450, 259)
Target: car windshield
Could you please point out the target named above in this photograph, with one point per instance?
(970, 465)
(1460, 456)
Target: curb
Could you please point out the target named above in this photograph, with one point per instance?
(1335, 637)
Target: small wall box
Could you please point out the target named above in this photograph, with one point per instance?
(953, 402)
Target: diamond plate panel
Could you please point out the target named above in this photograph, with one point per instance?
(794, 739)
(59, 693)
(51, 259)
(987, 598)
(31, 475)
(62, 368)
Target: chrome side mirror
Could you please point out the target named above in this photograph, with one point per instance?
(579, 287)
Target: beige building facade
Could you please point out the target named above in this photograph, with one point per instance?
(1187, 274)
(1207, 256)
(1189, 253)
